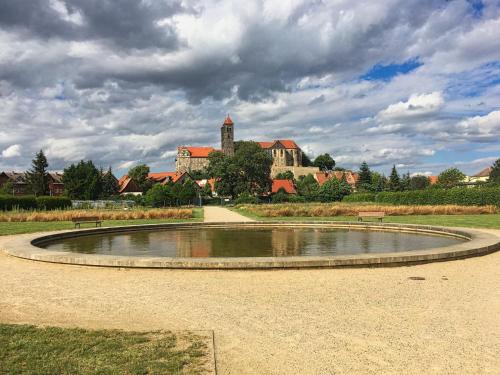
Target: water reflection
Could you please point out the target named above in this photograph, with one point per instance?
(249, 242)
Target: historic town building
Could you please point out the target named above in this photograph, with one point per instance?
(287, 156)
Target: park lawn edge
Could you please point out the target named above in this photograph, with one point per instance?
(30, 349)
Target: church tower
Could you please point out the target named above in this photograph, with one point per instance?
(227, 137)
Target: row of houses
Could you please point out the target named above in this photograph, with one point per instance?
(129, 186)
(19, 183)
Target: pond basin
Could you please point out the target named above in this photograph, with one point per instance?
(252, 241)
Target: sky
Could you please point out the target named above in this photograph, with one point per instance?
(411, 83)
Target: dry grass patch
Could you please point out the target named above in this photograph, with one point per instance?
(343, 209)
(67, 215)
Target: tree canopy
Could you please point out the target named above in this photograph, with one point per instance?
(324, 162)
(450, 177)
(394, 180)
(110, 185)
(495, 173)
(246, 172)
(37, 177)
(82, 181)
(139, 174)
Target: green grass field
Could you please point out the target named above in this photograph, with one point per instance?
(472, 221)
(46, 351)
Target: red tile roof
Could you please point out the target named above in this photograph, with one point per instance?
(198, 152)
(286, 143)
(286, 185)
(350, 177)
(228, 121)
(161, 176)
(266, 144)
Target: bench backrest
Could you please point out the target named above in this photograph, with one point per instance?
(371, 214)
(85, 218)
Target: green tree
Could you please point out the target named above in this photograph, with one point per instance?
(405, 181)
(450, 177)
(287, 175)
(82, 181)
(333, 190)
(158, 196)
(306, 161)
(7, 188)
(495, 173)
(139, 174)
(37, 177)
(394, 181)
(280, 197)
(379, 182)
(324, 162)
(364, 182)
(246, 172)
(419, 182)
(110, 185)
(308, 187)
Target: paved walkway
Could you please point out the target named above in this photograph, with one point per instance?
(221, 214)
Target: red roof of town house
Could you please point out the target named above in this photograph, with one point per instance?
(128, 185)
(350, 177)
(164, 176)
(204, 182)
(198, 152)
(228, 121)
(433, 179)
(286, 185)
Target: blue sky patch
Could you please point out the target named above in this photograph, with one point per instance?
(387, 72)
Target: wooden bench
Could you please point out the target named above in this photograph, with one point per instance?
(377, 215)
(86, 219)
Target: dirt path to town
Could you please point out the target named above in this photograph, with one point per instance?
(338, 321)
(221, 214)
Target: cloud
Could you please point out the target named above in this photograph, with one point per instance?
(417, 106)
(12, 151)
(129, 81)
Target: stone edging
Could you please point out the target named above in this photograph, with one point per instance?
(480, 243)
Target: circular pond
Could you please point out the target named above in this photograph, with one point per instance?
(229, 242)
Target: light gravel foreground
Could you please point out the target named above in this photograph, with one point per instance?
(324, 321)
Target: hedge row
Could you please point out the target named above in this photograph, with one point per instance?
(30, 202)
(462, 196)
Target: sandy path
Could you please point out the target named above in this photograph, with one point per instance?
(216, 214)
(352, 321)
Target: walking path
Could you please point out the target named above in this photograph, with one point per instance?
(220, 214)
(315, 321)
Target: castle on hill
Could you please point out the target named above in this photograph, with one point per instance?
(286, 154)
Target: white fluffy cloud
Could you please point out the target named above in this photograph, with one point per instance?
(12, 151)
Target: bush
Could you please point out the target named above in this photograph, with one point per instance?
(280, 197)
(296, 199)
(460, 196)
(360, 197)
(9, 203)
(52, 203)
(246, 198)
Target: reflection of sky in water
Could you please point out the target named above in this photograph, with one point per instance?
(252, 242)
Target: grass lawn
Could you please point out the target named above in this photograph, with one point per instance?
(31, 350)
(472, 221)
(7, 228)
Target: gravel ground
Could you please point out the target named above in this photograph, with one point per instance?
(340, 321)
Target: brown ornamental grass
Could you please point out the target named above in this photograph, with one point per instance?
(342, 209)
(67, 215)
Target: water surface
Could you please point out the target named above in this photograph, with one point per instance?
(249, 242)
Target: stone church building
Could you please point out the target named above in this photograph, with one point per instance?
(287, 156)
